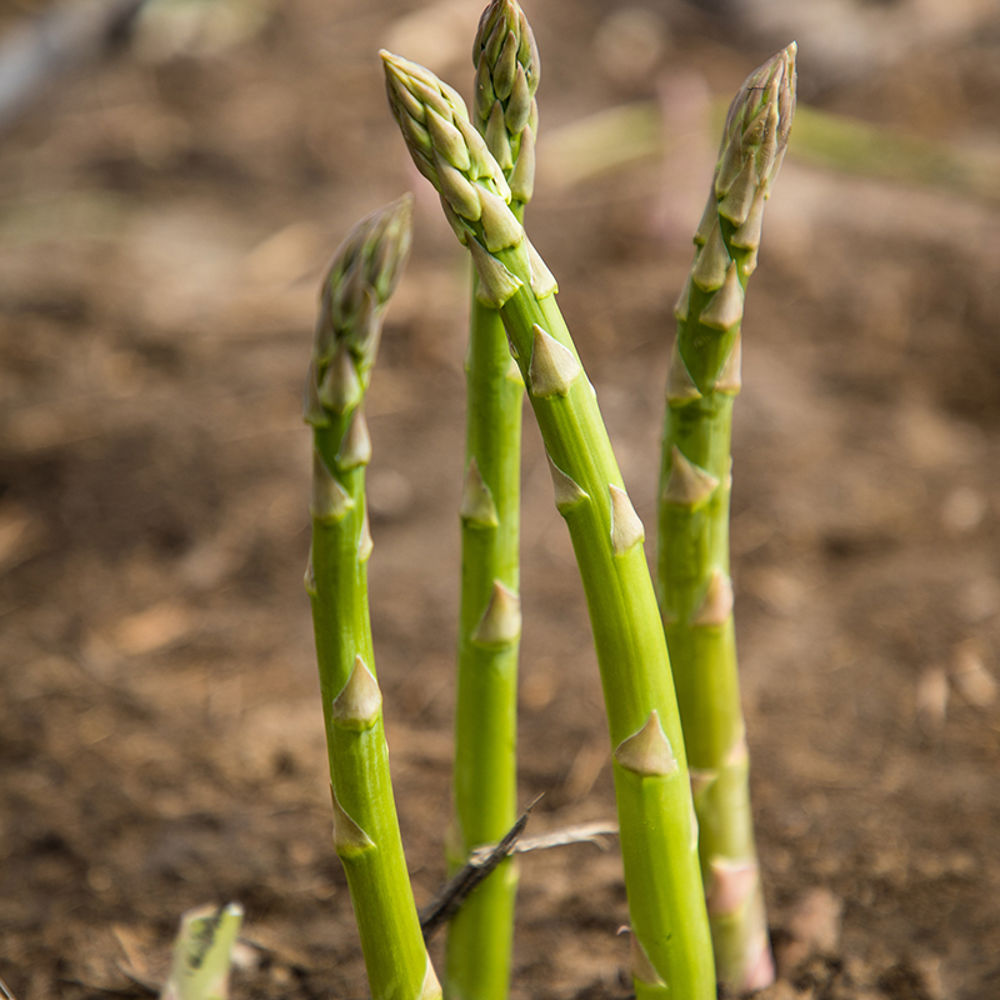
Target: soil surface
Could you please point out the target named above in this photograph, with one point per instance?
(166, 218)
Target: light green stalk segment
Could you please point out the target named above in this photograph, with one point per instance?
(365, 828)
(202, 954)
(485, 776)
(693, 559)
(672, 948)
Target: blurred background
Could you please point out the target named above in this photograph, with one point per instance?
(174, 176)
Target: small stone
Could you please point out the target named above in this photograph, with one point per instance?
(932, 699)
(963, 510)
(813, 927)
(971, 678)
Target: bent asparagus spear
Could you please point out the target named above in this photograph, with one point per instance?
(478, 959)
(365, 829)
(695, 592)
(671, 943)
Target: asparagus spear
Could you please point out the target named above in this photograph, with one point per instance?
(671, 944)
(693, 559)
(199, 969)
(485, 775)
(365, 828)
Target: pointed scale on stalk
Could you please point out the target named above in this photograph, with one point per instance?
(696, 594)
(659, 849)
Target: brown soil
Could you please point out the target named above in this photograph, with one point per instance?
(165, 222)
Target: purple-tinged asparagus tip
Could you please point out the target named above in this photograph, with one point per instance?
(756, 133)
(361, 278)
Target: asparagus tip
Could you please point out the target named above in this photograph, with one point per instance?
(355, 289)
(758, 124)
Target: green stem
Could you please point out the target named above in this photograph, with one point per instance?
(485, 778)
(366, 829)
(696, 597)
(672, 954)
(480, 937)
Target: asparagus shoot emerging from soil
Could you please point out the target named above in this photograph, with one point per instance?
(202, 954)
(365, 829)
(695, 592)
(670, 936)
(485, 772)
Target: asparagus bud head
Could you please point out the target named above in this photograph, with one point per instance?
(452, 155)
(357, 286)
(710, 309)
(755, 136)
(507, 73)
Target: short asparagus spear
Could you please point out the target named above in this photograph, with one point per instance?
(365, 829)
(485, 774)
(202, 953)
(693, 559)
(671, 943)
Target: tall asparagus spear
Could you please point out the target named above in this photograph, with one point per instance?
(365, 828)
(671, 943)
(485, 775)
(696, 597)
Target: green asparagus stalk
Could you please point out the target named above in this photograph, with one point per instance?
(485, 775)
(695, 592)
(670, 936)
(199, 969)
(365, 828)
